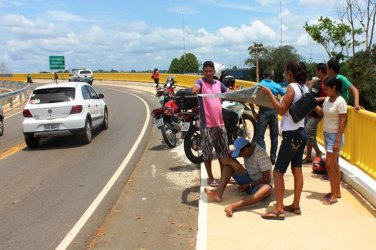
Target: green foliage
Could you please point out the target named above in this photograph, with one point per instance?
(334, 37)
(361, 70)
(276, 59)
(187, 63)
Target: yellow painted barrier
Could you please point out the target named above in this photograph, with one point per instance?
(360, 133)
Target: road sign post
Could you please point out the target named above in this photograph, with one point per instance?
(57, 63)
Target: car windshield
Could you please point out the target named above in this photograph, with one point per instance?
(52, 95)
(85, 72)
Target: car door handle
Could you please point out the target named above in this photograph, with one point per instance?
(88, 106)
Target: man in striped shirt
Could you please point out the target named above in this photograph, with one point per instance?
(254, 178)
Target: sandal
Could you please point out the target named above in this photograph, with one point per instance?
(274, 215)
(291, 209)
(305, 161)
(329, 201)
(213, 183)
(329, 195)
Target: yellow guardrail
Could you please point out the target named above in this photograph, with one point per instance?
(360, 133)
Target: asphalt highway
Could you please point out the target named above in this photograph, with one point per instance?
(65, 195)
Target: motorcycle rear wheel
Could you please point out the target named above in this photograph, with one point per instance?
(169, 136)
(192, 145)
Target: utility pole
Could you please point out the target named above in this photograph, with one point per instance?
(182, 20)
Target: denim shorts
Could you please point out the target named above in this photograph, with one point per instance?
(329, 141)
(245, 179)
(291, 150)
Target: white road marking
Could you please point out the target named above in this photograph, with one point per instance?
(153, 170)
(93, 206)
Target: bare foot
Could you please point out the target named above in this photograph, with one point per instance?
(228, 210)
(212, 195)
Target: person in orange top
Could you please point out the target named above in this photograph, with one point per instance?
(155, 76)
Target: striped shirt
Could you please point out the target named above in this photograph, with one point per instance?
(257, 163)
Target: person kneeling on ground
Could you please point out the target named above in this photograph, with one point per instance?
(254, 178)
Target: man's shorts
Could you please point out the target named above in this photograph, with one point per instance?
(291, 150)
(330, 140)
(245, 179)
(214, 137)
(311, 129)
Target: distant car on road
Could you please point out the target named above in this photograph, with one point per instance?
(1, 121)
(63, 109)
(82, 75)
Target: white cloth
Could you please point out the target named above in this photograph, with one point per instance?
(287, 124)
(331, 113)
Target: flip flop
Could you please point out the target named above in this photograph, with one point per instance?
(329, 201)
(274, 216)
(294, 210)
(213, 183)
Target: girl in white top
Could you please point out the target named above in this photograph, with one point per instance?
(334, 110)
(294, 141)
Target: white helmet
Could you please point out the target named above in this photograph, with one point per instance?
(218, 67)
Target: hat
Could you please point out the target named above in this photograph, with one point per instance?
(239, 144)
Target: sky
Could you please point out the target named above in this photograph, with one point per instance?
(141, 35)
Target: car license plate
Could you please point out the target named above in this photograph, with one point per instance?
(185, 126)
(48, 127)
(159, 122)
(161, 98)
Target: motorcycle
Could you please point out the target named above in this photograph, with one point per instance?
(164, 95)
(245, 125)
(171, 119)
(238, 119)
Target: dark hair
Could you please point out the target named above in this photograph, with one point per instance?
(299, 71)
(268, 73)
(334, 65)
(334, 82)
(208, 64)
(321, 67)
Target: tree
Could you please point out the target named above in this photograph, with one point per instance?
(276, 59)
(174, 66)
(255, 50)
(360, 69)
(331, 35)
(187, 63)
(362, 13)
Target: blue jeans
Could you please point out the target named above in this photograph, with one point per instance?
(267, 117)
(291, 150)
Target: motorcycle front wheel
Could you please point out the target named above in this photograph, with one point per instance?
(192, 145)
(247, 127)
(169, 136)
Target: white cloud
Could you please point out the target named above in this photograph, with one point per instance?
(63, 16)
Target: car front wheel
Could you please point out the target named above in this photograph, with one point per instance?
(1, 127)
(86, 135)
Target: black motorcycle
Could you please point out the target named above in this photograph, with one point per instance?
(238, 119)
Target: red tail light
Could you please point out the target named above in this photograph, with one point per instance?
(26, 113)
(76, 109)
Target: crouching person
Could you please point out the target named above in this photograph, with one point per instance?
(253, 178)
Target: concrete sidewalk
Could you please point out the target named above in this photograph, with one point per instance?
(348, 224)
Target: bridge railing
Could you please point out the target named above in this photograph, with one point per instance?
(360, 132)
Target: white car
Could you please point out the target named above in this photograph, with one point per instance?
(63, 109)
(1, 121)
(82, 75)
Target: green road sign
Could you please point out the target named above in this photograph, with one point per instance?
(57, 63)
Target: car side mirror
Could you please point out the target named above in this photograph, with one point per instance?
(101, 96)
